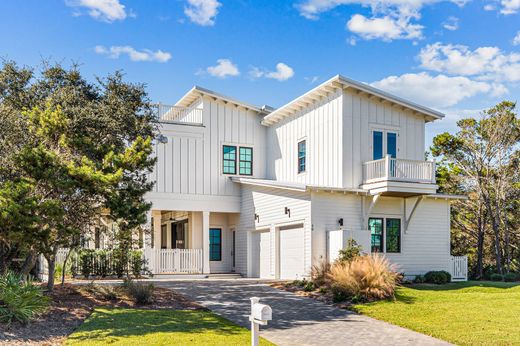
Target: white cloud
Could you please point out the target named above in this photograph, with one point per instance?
(490, 7)
(452, 24)
(510, 6)
(223, 69)
(282, 73)
(389, 19)
(485, 63)
(105, 10)
(435, 91)
(516, 40)
(115, 52)
(312, 79)
(202, 12)
(385, 28)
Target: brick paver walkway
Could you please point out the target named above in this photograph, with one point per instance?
(296, 320)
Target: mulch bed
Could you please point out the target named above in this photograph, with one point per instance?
(71, 305)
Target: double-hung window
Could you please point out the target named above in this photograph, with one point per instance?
(302, 153)
(385, 234)
(384, 143)
(245, 161)
(229, 159)
(232, 154)
(215, 244)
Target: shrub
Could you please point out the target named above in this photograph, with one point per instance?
(319, 273)
(510, 277)
(419, 279)
(350, 252)
(86, 262)
(367, 277)
(309, 286)
(20, 300)
(137, 263)
(141, 293)
(101, 291)
(496, 277)
(103, 263)
(438, 277)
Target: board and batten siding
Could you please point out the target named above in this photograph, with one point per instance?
(361, 115)
(320, 126)
(190, 163)
(269, 204)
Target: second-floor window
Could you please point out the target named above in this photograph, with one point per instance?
(302, 151)
(234, 156)
(245, 164)
(229, 164)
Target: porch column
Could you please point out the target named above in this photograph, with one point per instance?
(205, 242)
(156, 214)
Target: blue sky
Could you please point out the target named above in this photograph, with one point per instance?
(457, 56)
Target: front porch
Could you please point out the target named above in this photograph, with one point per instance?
(191, 242)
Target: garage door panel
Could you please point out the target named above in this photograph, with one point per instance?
(292, 250)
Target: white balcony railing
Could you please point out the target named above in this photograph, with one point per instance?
(177, 114)
(390, 169)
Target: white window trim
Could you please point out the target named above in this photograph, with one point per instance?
(385, 146)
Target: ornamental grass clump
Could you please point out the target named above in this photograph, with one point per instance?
(367, 278)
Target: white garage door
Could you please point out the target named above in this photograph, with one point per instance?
(261, 254)
(292, 249)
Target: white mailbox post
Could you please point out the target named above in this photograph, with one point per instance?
(260, 314)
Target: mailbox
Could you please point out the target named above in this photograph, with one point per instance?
(261, 312)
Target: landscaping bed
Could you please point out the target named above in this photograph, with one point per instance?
(72, 304)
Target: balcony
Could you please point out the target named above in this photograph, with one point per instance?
(392, 176)
(178, 115)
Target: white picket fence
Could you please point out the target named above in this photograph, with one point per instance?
(459, 268)
(172, 261)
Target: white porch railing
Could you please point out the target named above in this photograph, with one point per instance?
(459, 268)
(391, 169)
(162, 261)
(175, 114)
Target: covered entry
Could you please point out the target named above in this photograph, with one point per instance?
(292, 252)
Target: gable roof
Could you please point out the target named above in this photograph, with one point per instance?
(340, 82)
(196, 92)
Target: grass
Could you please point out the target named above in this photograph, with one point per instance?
(468, 313)
(158, 327)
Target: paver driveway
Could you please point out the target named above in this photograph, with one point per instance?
(296, 320)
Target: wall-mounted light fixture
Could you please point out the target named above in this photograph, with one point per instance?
(162, 139)
(287, 211)
(257, 218)
(340, 222)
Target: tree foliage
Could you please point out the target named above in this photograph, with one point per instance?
(481, 161)
(70, 149)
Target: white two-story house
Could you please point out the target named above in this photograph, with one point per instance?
(268, 192)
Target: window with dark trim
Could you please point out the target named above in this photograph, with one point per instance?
(245, 161)
(393, 235)
(302, 151)
(229, 159)
(215, 244)
(375, 226)
(97, 238)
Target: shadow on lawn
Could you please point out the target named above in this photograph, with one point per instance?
(110, 323)
(460, 285)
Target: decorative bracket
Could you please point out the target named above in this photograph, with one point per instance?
(414, 208)
(366, 213)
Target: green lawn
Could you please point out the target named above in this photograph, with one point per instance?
(158, 327)
(469, 313)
